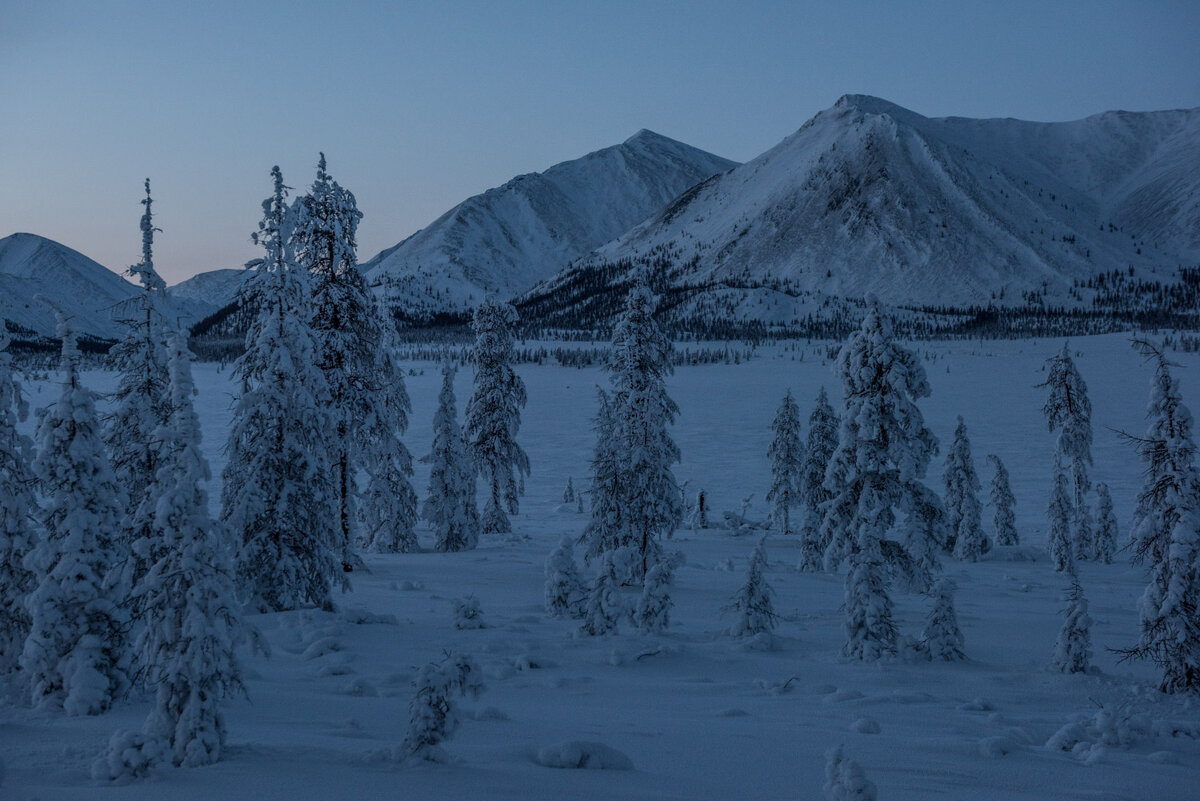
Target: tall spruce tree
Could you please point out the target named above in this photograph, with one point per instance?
(787, 463)
(1002, 500)
(1106, 525)
(605, 528)
(642, 411)
(883, 453)
(277, 499)
(18, 510)
(75, 656)
(962, 499)
(1069, 412)
(823, 427)
(1166, 535)
(1073, 648)
(345, 332)
(389, 509)
(192, 621)
(493, 414)
(1058, 515)
(141, 405)
(450, 504)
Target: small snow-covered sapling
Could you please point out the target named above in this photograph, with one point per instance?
(432, 713)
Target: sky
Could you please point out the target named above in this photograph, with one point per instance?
(419, 105)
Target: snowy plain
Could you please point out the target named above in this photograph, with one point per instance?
(699, 715)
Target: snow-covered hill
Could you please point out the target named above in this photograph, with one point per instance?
(870, 198)
(509, 238)
(32, 265)
(207, 292)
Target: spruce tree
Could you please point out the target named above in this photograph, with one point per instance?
(1058, 514)
(75, 656)
(845, 780)
(962, 499)
(18, 510)
(140, 400)
(389, 509)
(450, 499)
(432, 713)
(604, 529)
(752, 603)
(605, 606)
(787, 461)
(346, 335)
(942, 640)
(564, 587)
(823, 427)
(493, 414)
(1069, 412)
(651, 507)
(277, 500)
(192, 621)
(883, 453)
(653, 610)
(1166, 535)
(1073, 649)
(1106, 525)
(1003, 500)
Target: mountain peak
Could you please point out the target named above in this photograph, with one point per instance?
(868, 104)
(646, 136)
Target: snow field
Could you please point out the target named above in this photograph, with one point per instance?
(699, 715)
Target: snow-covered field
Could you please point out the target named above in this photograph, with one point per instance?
(699, 715)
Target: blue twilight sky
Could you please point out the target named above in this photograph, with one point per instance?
(419, 105)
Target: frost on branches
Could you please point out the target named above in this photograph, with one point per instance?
(962, 500)
(345, 334)
(1166, 536)
(389, 509)
(190, 615)
(18, 508)
(75, 656)
(277, 501)
(1069, 412)
(1002, 500)
(493, 415)
(787, 462)
(883, 452)
(450, 500)
(141, 404)
(823, 427)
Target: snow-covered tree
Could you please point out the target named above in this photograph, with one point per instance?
(787, 463)
(1069, 411)
(345, 332)
(75, 656)
(569, 492)
(140, 400)
(493, 414)
(962, 499)
(18, 510)
(564, 587)
(190, 615)
(604, 530)
(389, 508)
(1073, 649)
(605, 606)
(1003, 500)
(822, 443)
(1058, 514)
(450, 499)
(752, 603)
(883, 453)
(1166, 535)
(642, 411)
(653, 610)
(845, 780)
(468, 614)
(277, 501)
(1106, 525)
(941, 639)
(432, 713)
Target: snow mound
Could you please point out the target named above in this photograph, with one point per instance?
(579, 754)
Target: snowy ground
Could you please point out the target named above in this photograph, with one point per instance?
(700, 716)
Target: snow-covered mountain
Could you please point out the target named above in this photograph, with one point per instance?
(31, 265)
(209, 291)
(509, 238)
(870, 198)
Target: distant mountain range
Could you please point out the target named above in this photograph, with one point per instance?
(1100, 216)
